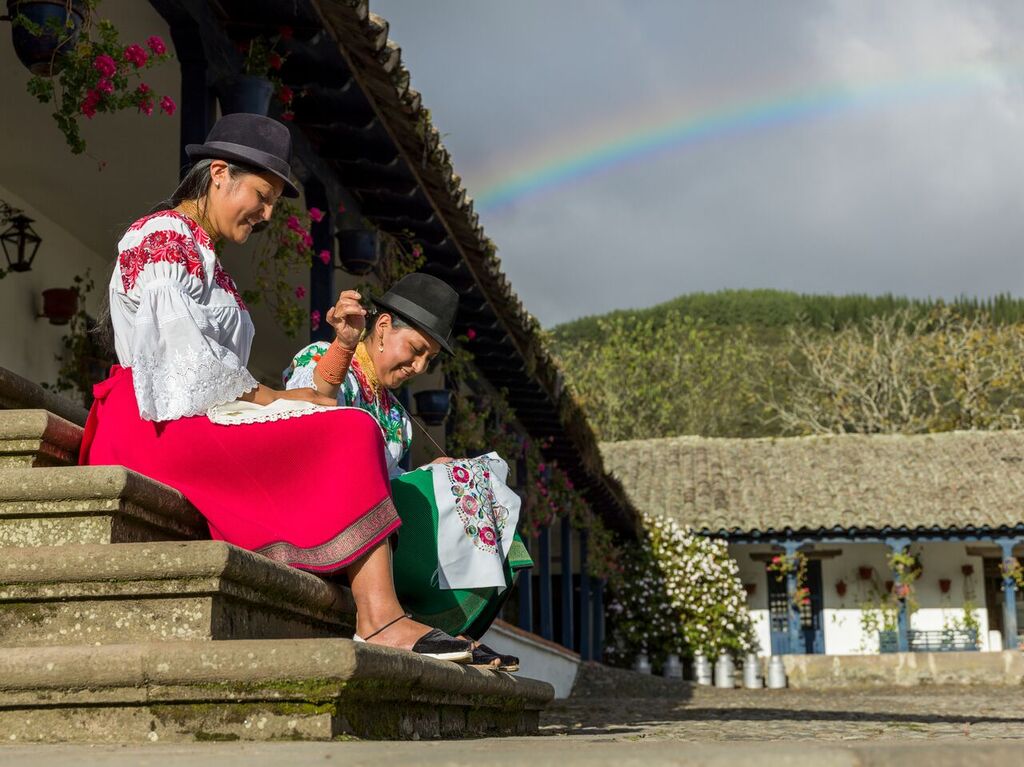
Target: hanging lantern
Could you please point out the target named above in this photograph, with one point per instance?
(20, 241)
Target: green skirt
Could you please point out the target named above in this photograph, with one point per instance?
(456, 611)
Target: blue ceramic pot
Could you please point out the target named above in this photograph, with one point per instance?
(245, 93)
(358, 250)
(42, 53)
(432, 405)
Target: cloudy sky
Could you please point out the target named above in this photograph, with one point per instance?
(626, 151)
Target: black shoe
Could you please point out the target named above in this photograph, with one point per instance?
(434, 644)
(485, 656)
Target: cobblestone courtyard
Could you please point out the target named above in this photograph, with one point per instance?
(620, 718)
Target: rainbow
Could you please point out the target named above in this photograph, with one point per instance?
(515, 180)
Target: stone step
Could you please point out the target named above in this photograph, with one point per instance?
(18, 393)
(30, 438)
(268, 689)
(91, 504)
(143, 592)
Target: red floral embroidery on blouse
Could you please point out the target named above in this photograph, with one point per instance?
(224, 281)
(162, 245)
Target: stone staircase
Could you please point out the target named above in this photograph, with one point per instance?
(120, 621)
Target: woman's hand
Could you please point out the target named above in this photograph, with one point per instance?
(348, 318)
(264, 395)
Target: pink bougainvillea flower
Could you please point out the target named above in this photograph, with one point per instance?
(300, 292)
(471, 334)
(307, 239)
(105, 85)
(417, 250)
(325, 256)
(294, 224)
(316, 214)
(274, 61)
(167, 105)
(314, 319)
(105, 65)
(288, 116)
(156, 44)
(285, 94)
(136, 54)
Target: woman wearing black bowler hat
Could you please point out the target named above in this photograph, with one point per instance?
(182, 408)
(458, 551)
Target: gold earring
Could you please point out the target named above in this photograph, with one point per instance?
(380, 343)
(216, 184)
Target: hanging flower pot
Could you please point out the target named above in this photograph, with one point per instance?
(432, 405)
(864, 573)
(841, 588)
(60, 305)
(944, 584)
(245, 93)
(358, 250)
(48, 29)
(967, 570)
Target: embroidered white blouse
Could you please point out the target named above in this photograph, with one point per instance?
(179, 321)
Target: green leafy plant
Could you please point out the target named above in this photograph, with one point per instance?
(1011, 569)
(83, 361)
(285, 251)
(783, 565)
(99, 73)
(264, 57)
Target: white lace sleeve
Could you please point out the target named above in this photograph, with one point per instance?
(178, 366)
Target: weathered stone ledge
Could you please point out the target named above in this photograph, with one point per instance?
(18, 393)
(91, 504)
(103, 594)
(35, 438)
(910, 668)
(255, 689)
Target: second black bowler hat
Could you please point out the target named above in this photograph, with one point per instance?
(254, 140)
(426, 302)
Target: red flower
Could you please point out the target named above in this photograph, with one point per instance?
(294, 224)
(145, 100)
(156, 45)
(286, 33)
(167, 105)
(275, 61)
(316, 214)
(776, 559)
(136, 54)
(88, 105)
(300, 292)
(288, 116)
(285, 94)
(105, 85)
(314, 319)
(105, 65)
(325, 256)
(471, 334)
(307, 239)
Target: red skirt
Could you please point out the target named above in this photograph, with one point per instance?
(311, 491)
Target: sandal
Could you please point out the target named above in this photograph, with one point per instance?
(485, 656)
(434, 644)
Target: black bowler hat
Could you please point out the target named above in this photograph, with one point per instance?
(255, 140)
(426, 302)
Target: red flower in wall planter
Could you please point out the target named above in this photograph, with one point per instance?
(967, 570)
(841, 588)
(864, 573)
(944, 584)
(60, 305)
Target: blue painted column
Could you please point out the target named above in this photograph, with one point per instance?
(321, 275)
(795, 640)
(598, 648)
(525, 586)
(567, 584)
(898, 545)
(586, 612)
(547, 629)
(197, 108)
(1009, 598)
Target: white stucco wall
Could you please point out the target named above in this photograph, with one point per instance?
(841, 616)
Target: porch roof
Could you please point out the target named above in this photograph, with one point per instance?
(823, 485)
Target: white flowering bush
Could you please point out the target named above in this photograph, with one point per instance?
(678, 593)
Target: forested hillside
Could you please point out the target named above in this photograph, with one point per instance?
(765, 363)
